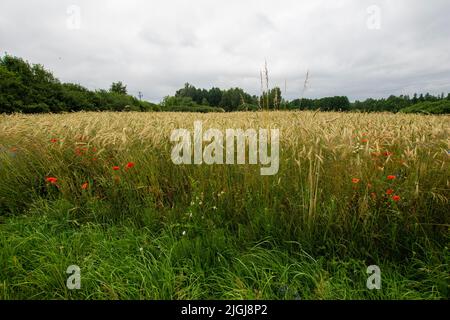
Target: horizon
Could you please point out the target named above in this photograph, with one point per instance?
(223, 88)
(368, 49)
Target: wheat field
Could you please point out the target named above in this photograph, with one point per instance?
(99, 190)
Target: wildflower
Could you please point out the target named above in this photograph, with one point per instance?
(364, 140)
(130, 165)
(389, 191)
(355, 180)
(391, 177)
(396, 198)
(51, 180)
(54, 140)
(116, 168)
(141, 249)
(85, 186)
(387, 154)
(184, 233)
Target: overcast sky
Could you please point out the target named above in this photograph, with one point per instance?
(356, 48)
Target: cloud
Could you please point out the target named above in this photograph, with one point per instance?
(156, 46)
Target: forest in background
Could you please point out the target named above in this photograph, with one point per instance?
(30, 88)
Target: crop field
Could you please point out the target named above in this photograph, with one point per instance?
(101, 192)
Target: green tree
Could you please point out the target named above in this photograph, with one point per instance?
(118, 87)
(11, 91)
(275, 98)
(214, 97)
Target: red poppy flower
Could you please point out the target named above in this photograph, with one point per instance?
(79, 152)
(130, 165)
(391, 177)
(396, 198)
(116, 168)
(51, 180)
(364, 140)
(355, 180)
(85, 185)
(54, 140)
(389, 191)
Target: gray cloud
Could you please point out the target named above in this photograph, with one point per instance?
(157, 46)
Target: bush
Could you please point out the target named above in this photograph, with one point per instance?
(201, 109)
(36, 108)
(248, 107)
(438, 107)
(32, 89)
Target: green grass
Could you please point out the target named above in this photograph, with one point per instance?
(130, 261)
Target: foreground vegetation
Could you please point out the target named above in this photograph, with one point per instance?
(99, 190)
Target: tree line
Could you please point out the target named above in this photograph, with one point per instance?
(30, 88)
(236, 99)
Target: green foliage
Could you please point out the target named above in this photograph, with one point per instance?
(230, 100)
(128, 261)
(11, 89)
(201, 109)
(177, 101)
(392, 104)
(404, 103)
(37, 108)
(32, 89)
(324, 104)
(148, 106)
(438, 107)
(248, 107)
(185, 104)
(214, 97)
(118, 87)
